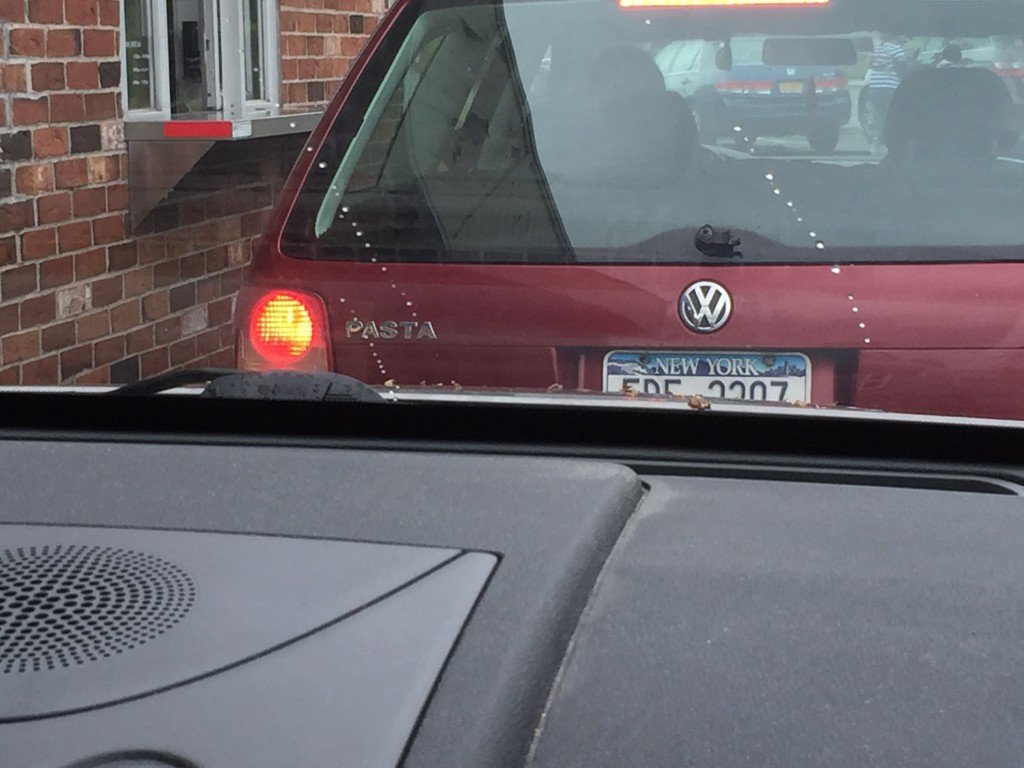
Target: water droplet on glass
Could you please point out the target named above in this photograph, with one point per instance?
(341, 300)
(291, 125)
(770, 176)
(344, 209)
(856, 309)
(359, 233)
(403, 293)
(309, 149)
(737, 128)
(371, 343)
(800, 219)
(647, 22)
(862, 325)
(354, 224)
(393, 286)
(789, 203)
(835, 270)
(341, 215)
(850, 296)
(373, 259)
(366, 245)
(408, 303)
(820, 245)
(383, 269)
(813, 234)
(414, 314)
(867, 341)
(777, 191)
(321, 165)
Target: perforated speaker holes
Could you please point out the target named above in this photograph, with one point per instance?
(67, 605)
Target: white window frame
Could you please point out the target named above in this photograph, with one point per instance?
(232, 83)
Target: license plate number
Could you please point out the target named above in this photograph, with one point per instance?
(782, 377)
(791, 87)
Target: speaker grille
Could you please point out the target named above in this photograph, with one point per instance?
(67, 605)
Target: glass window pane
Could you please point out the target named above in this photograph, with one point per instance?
(253, 33)
(138, 34)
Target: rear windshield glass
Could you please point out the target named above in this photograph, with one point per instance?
(553, 132)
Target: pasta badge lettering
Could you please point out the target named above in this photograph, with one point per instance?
(390, 329)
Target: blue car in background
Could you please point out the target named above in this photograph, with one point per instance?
(752, 99)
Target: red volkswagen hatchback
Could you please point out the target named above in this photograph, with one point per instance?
(507, 194)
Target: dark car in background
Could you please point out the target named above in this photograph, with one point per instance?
(738, 96)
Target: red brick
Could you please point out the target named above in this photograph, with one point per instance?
(166, 272)
(56, 272)
(183, 351)
(14, 216)
(12, 78)
(153, 362)
(124, 316)
(100, 375)
(152, 249)
(38, 243)
(84, 76)
(3, 113)
(138, 281)
(38, 311)
(90, 264)
(71, 173)
(63, 43)
(194, 265)
(43, 371)
(8, 319)
(50, 142)
(28, 41)
(22, 346)
(30, 111)
(67, 108)
(99, 106)
(103, 169)
(8, 250)
(74, 236)
(123, 256)
(156, 305)
(81, 12)
(220, 311)
(110, 13)
(12, 375)
(75, 361)
(12, 10)
(139, 340)
(90, 202)
(117, 197)
(93, 326)
(45, 11)
(58, 336)
(18, 282)
(101, 43)
(54, 208)
(109, 229)
(107, 291)
(34, 179)
(109, 350)
(48, 76)
(208, 342)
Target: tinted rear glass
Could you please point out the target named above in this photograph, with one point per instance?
(552, 132)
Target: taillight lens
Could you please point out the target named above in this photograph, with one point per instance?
(1016, 69)
(831, 84)
(285, 329)
(745, 87)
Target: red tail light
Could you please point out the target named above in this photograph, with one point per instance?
(745, 87)
(831, 84)
(284, 329)
(1010, 70)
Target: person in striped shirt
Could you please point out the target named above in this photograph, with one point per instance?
(885, 66)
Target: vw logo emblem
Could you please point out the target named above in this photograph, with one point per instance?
(791, 72)
(705, 306)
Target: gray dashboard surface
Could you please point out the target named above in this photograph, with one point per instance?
(551, 521)
(749, 623)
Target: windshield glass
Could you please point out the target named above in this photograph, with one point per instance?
(803, 202)
(581, 131)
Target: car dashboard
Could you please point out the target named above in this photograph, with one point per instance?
(200, 584)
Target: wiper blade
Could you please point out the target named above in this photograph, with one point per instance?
(227, 383)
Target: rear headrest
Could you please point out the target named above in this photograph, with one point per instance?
(955, 114)
(625, 70)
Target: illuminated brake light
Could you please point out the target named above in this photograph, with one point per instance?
(744, 87)
(286, 329)
(713, 3)
(831, 85)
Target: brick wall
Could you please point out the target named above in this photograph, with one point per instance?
(81, 299)
(319, 40)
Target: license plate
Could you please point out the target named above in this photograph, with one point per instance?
(791, 87)
(783, 376)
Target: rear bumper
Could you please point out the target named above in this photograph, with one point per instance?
(775, 116)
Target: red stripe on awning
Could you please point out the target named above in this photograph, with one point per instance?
(197, 129)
